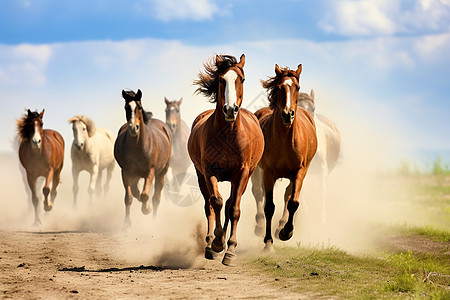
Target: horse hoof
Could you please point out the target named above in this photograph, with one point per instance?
(229, 259)
(218, 247)
(146, 208)
(126, 224)
(268, 248)
(259, 230)
(210, 254)
(284, 236)
(48, 206)
(37, 223)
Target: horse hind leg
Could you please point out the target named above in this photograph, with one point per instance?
(159, 184)
(109, 171)
(75, 187)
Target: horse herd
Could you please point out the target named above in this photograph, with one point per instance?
(228, 143)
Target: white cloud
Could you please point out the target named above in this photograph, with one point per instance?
(385, 17)
(168, 10)
(24, 64)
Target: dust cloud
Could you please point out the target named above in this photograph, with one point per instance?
(175, 237)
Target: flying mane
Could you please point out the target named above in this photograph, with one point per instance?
(89, 123)
(272, 83)
(208, 81)
(24, 125)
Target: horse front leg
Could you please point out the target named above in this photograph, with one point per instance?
(233, 214)
(127, 183)
(93, 181)
(216, 201)
(258, 193)
(75, 187)
(292, 205)
(209, 213)
(285, 216)
(146, 206)
(34, 198)
(55, 182)
(46, 190)
(269, 209)
(109, 171)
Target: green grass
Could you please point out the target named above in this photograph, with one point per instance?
(408, 261)
(334, 272)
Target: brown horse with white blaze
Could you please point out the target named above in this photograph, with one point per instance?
(41, 153)
(142, 149)
(290, 145)
(225, 144)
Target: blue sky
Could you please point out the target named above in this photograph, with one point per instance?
(380, 68)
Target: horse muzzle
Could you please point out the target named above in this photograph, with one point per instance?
(133, 130)
(288, 117)
(230, 113)
(79, 147)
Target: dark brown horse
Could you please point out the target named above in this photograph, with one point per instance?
(142, 149)
(41, 153)
(179, 161)
(226, 144)
(290, 145)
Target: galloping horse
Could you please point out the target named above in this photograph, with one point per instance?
(92, 151)
(41, 153)
(328, 148)
(142, 149)
(179, 160)
(290, 145)
(226, 144)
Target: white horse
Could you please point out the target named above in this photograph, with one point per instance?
(328, 148)
(92, 151)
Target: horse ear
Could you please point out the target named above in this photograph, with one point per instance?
(241, 62)
(311, 94)
(299, 69)
(179, 101)
(29, 113)
(42, 114)
(277, 70)
(124, 95)
(218, 59)
(138, 95)
(166, 101)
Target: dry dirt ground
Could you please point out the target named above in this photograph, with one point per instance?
(85, 265)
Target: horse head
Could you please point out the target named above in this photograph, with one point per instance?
(222, 82)
(173, 116)
(231, 88)
(283, 92)
(82, 128)
(35, 130)
(135, 114)
(306, 102)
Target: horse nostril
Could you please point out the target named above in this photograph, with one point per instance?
(292, 113)
(224, 109)
(236, 108)
(137, 127)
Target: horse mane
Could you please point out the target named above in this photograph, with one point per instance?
(272, 82)
(23, 124)
(208, 80)
(146, 115)
(90, 125)
(305, 97)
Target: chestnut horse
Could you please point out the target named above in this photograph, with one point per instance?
(328, 148)
(290, 145)
(225, 144)
(41, 153)
(179, 160)
(142, 149)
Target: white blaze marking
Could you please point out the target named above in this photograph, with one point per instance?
(36, 135)
(132, 107)
(230, 88)
(288, 82)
